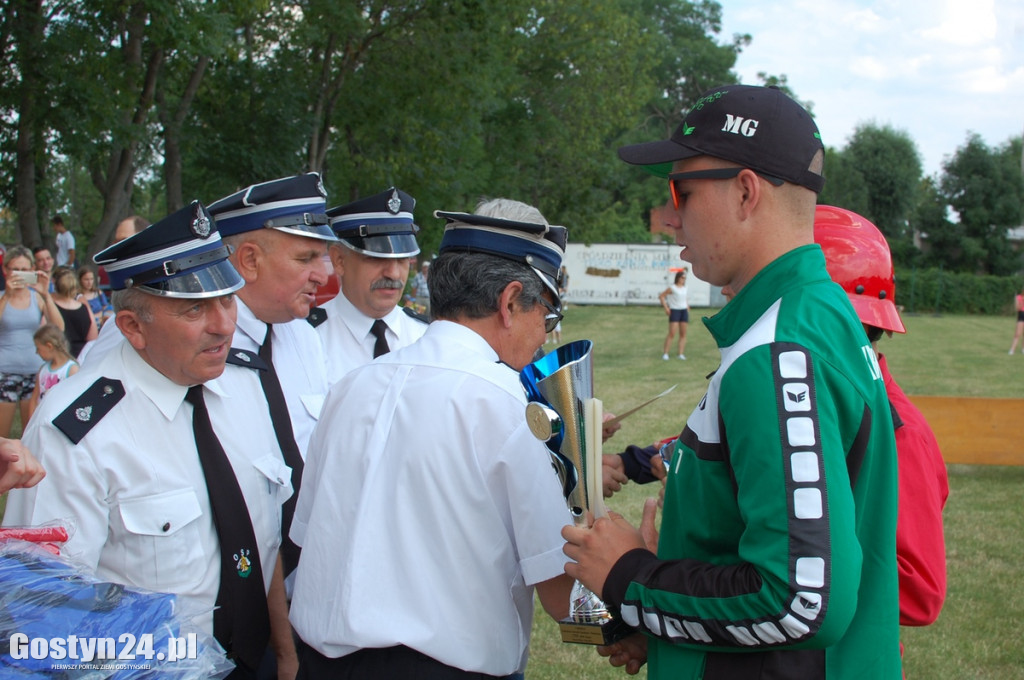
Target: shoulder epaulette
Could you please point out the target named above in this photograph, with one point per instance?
(422, 318)
(317, 315)
(83, 413)
(243, 357)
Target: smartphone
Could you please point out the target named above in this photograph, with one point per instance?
(29, 278)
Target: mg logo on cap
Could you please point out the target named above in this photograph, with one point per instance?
(739, 125)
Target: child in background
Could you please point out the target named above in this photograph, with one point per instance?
(98, 303)
(52, 348)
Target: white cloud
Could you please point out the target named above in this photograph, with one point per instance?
(934, 69)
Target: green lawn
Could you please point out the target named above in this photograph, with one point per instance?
(978, 635)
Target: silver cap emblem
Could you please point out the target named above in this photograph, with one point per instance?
(394, 203)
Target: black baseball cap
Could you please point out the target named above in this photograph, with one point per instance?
(757, 127)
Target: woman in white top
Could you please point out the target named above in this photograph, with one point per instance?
(673, 299)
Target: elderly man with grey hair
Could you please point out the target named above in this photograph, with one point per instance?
(430, 515)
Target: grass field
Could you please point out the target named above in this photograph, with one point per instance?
(978, 635)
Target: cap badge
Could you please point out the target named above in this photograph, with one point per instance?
(84, 414)
(394, 203)
(242, 563)
(201, 226)
(320, 186)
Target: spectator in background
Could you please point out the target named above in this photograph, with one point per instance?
(421, 287)
(58, 362)
(91, 295)
(110, 335)
(79, 325)
(1018, 303)
(43, 260)
(25, 305)
(673, 300)
(65, 243)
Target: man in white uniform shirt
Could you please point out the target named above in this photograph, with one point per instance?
(377, 239)
(170, 483)
(280, 234)
(430, 514)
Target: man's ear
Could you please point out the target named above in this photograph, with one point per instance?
(246, 260)
(750, 193)
(508, 300)
(132, 328)
(337, 255)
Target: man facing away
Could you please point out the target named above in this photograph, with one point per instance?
(777, 553)
(172, 485)
(430, 514)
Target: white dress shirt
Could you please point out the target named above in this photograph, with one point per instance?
(133, 489)
(428, 510)
(347, 340)
(300, 364)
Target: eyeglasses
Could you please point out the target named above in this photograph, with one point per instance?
(712, 173)
(552, 318)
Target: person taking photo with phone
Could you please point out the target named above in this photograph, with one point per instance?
(25, 305)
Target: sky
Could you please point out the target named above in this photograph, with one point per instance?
(936, 69)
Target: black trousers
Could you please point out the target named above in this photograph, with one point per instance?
(378, 664)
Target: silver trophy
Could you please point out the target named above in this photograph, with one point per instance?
(563, 413)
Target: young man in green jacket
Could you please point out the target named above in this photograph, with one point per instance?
(777, 550)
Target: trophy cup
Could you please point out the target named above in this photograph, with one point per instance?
(563, 413)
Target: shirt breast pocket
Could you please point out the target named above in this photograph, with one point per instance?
(166, 529)
(278, 477)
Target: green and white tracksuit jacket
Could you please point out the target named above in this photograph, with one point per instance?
(777, 556)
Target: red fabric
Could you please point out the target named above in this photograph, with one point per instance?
(923, 489)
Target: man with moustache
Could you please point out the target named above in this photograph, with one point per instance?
(169, 482)
(363, 321)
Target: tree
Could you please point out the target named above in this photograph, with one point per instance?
(890, 165)
(986, 189)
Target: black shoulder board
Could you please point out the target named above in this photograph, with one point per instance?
(243, 357)
(409, 311)
(97, 401)
(317, 315)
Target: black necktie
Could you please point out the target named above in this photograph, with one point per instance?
(286, 440)
(381, 346)
(241, 622)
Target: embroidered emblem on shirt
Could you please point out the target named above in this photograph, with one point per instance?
(242, 563)
(797, 396)
(84, 414)
(243, 357)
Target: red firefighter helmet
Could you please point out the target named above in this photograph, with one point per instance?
(858, 259)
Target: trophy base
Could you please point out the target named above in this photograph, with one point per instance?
(604, 633)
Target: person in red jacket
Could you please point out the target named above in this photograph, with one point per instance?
(858, 259)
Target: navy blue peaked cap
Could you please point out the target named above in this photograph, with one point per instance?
(296, 205)
(179, 256)
(379, 226)
(540, 246)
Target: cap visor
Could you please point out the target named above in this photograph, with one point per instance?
(879, 313)
(392, 245)
(216, 280)
(318, 231)
(656, 157)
